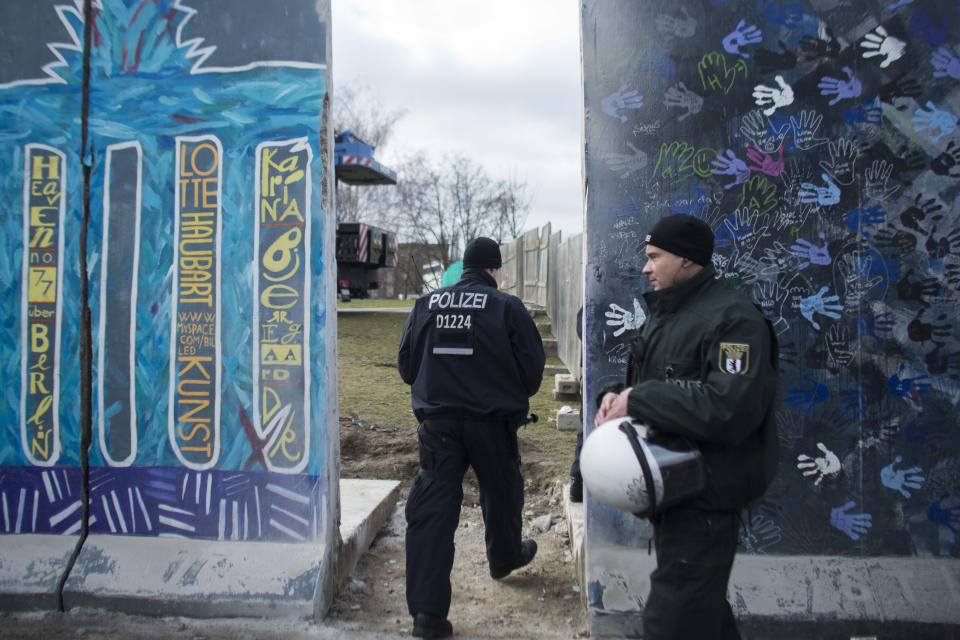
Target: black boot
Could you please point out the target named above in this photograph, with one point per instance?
(426, 625)
(528, 549)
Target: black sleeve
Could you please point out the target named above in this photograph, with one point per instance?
(730, 402)
(527, 347)
(405, 363)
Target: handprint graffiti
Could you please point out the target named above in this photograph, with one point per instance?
(826, 465)
(879, 43)
(901, 479)
(854, 525)
(619, 100)
(625, 320)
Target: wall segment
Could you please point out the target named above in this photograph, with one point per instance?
(212, 373)
(819, 140)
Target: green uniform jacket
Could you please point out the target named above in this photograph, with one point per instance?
(705, 367)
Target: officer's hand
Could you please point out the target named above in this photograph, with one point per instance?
(613, 405)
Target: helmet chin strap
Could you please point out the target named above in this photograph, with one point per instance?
(631, 434)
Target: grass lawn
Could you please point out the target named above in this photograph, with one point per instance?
(372, 392)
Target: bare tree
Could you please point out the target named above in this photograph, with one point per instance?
(356, 110)
(512, 205)
(418, 211)
(471, 195)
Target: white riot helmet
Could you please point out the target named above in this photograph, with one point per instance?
(629, 467)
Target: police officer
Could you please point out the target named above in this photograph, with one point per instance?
(705, 367)
(473, 357)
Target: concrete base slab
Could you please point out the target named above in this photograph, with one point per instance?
(196, 578)
(793, 597)
(199, 578)
(365, 505)
(30, 570)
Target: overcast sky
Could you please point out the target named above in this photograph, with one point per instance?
(497, 81)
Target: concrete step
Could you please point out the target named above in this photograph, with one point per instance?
(551, 370)
(550, 347)
(545, 328)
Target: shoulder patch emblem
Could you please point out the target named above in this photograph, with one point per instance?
(734, 357)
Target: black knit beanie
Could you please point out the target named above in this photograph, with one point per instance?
(685, 236)
(482, 253)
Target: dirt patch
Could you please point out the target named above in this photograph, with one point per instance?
(541, 600)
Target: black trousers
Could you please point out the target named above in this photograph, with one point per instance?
(575, 467)
(688, 589)
(447, 448)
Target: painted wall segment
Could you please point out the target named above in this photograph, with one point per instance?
(281, 322)
(44, 197)
(819, 140)
(195, 299)
(196, 319)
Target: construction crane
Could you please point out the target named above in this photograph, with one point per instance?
(361, 250)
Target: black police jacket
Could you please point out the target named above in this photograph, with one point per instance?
(705, 367)
(470, 350)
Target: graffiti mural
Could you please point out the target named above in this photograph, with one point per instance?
(205, 270)
(820, 141)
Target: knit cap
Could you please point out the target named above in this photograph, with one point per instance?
(482, 253)
(685, 236)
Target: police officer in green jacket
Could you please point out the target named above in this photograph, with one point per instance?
(705, 367)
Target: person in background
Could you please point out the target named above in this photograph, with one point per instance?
(472, 356)
(576, 478)
(704, 366)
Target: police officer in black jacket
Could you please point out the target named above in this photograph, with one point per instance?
(703, 367)
(473, 357)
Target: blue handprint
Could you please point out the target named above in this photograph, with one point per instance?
(908, 388)
(742, 35)
(809, 193)
(856, 218)
(849, 88)
(817, 393)
(789, 15)
(901, 479)
(865, 118)
(933, 30)
(817, 303)
(948, 517)
(854, 525)
(945, 121)
(730, 165)
(811, 253)
(945, 64)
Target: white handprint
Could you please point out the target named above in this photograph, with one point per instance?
(777, 97)
(620, 317)
(826, 465)
(879, 43)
